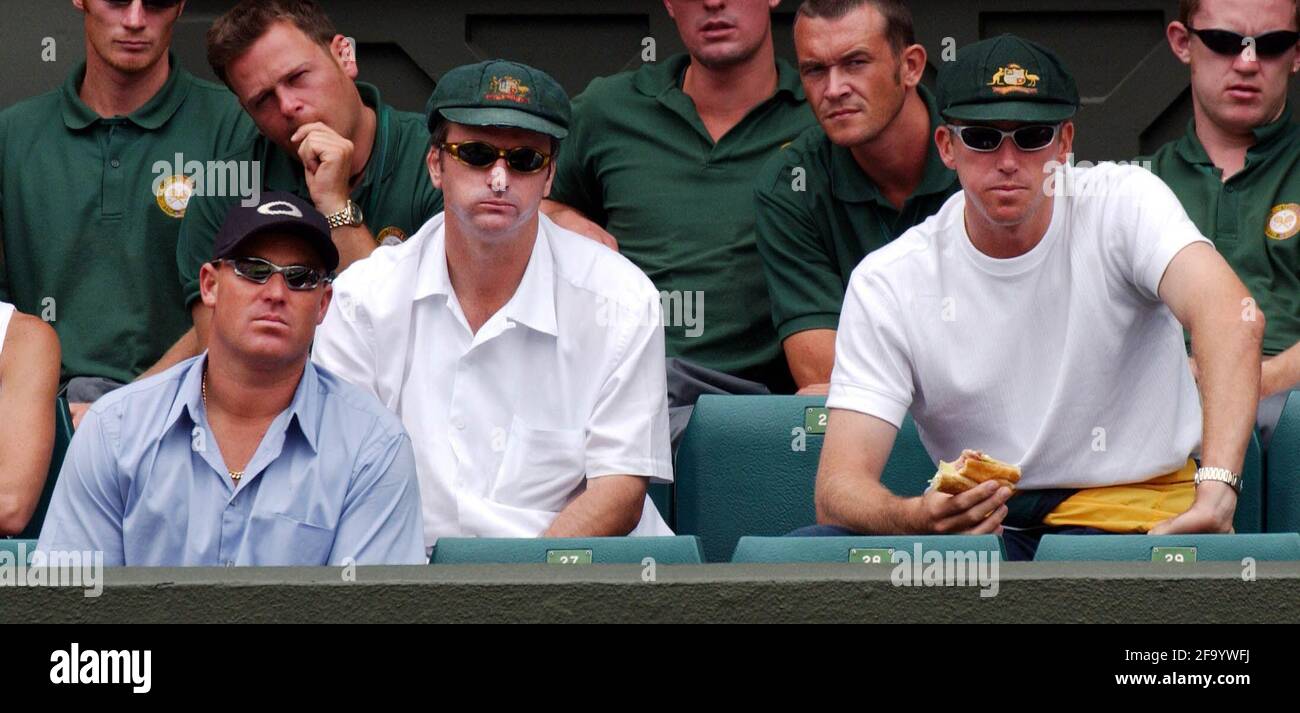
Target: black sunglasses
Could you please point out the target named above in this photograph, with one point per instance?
(1269, 44)
(297, 277)
(149, 4)
(481, 154)
(986, 139)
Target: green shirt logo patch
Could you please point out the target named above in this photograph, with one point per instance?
(1283, 221)
(392, 235)
(173, 195)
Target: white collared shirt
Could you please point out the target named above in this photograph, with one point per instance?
(565, 382)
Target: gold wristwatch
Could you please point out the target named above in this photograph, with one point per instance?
(350, 216)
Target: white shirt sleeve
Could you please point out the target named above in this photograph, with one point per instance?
(628, 431)
(345, 341)
(873, 364)
(1146, 226)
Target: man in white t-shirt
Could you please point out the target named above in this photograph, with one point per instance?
(526, 361)
(1037, 318)
(29, 381)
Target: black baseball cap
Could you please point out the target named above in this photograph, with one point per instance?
(1006, 78)
(276, 212)
(499, 92)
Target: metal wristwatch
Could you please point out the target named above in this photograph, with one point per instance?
(1223, 475)
(350, 216)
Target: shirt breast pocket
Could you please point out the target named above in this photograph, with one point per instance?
(540, 468)
(285, 540)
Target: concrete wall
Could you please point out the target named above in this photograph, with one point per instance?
(1028, 592)
(1135, 92)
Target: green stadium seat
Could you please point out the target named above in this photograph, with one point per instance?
(17, 546)
(856, 549)
(747, 466)
(577, 550)
(1283, 482)
(62, 436)
(1143, 548)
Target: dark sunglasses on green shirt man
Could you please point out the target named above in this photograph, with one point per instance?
(148, 4)
(1226, 42)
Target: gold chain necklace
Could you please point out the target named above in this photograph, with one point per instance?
(235, 475)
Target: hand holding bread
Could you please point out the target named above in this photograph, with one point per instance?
(971, 469)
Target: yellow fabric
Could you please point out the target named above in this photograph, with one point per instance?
(1129, 508)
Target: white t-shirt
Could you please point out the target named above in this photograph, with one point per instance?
(1062, 360)
(6, 314)
(566, 382)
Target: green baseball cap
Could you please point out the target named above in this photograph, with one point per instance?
(498, 92)
(1006, 78)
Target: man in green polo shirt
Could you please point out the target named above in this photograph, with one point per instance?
(91, 206)
(324, 137)
(1237, 169)
(863, 177)
(664, 159)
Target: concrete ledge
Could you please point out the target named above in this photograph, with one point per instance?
(1066, 592)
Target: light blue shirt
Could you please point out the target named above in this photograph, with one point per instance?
(143, 481)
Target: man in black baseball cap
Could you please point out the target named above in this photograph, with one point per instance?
(1038, 317)
(247, 454)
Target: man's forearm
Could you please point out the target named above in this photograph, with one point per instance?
(1282, 372)
(868, 507)
(354, 243)
(29, 380)
(611, 510)
(184, 348)
(557, 211)
(1229, 362)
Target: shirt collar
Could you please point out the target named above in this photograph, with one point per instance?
(189, 395)
(664, 77)
(849, 183)
(1191, 149)
(151, 116)
(1269, 134)
(303, 412)
(533, 303)
(379, 166)
(305, 409)
(433, 277)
